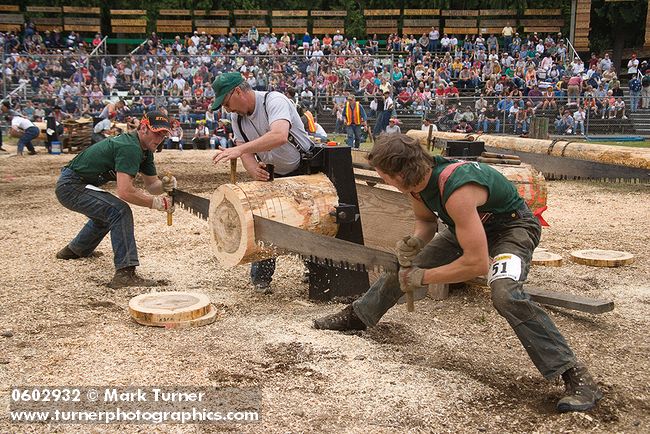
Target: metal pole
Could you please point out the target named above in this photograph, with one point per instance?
(572, 26)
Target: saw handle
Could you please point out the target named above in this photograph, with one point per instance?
(410, 305)
(233, 171)
(170, 216)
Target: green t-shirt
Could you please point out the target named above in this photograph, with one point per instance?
(100, 162)
(502, 195)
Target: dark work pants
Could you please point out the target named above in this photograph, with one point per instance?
(545, 345)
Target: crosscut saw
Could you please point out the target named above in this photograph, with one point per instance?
(319, 249)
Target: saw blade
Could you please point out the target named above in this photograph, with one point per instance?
(197, 205)
(320, 249)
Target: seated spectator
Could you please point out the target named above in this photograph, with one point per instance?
(393, 126)
(462, 127)
(579, 118)
(428, 123)
(491, 117)
(549, 99)
(619, 107)
(565, 124)
(201, 139)
(223, 135)
(184, 110)
(175, 137)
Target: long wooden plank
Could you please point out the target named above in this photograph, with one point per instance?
(461, 30)
(498, 23)
(251, 12)
(408, 12)
(127, 22)
(260, 29)
(288, 22)
(460, 13)
(250, 23)
(289, 29)
(213, 30)
(569, 301)
(128, 12)
(198, 13)
(173, 29)
(48, 21)
(9, 27)
(498, 12)
(381, 23)
(542, 29)
(379, 12)
(329, 13)
(326, 30)
(49, 9)
(12, 18)
(337, 22)
(381, 30)
(174, 23)
(211, 23)
(176, 12)
(133, 30)
(80, 10)
(460, 23)
(416, 30)
(420, 22)
(81, 28)
(9, 8)
(542, 12)
(559, 22)
(296, 13)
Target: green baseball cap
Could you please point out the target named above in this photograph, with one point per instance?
(222, 85)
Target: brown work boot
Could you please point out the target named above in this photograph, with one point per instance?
(340, 321)
(581, 391)
(127, 277)
(66, 253)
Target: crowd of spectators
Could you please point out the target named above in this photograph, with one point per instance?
(489, 83)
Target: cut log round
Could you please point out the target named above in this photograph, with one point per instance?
(547, 259)
(299, 201)
(602, 258)
(206, 319)
(159, 308)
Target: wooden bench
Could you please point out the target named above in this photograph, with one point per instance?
(328, 22)
(83, 24)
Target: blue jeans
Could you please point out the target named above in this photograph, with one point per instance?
(635, 97)
(354, 135)
(25, 140)
(107, 214)
(496, 123)
(544, 343)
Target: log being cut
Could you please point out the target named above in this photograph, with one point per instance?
(303, 202)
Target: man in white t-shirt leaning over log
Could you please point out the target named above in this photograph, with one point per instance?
(267, 130)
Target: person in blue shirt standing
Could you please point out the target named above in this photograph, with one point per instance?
(635, 92)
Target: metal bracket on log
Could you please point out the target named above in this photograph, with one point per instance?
(345, 213)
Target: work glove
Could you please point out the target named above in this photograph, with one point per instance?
(169, 183)
(407, 249)
(163, 203)
(410, 278)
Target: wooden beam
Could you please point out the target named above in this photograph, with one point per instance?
(176, 12)
(419, 22)
(461, 30)
(128, 12)
(498, 23)
(297, 13)
(10, 27)
(325, 30)
(260, 29)
(542, 23)
(569, 301)
(58, 21)
(250, 23)
(277, 30)
(50, 9)
(251, 12)
(498, 12)
(542, 29)
(537, 12)
(212, 23)
(381, 23)
(214, 30)
(84, 21)
(321, 22)
(460, 13)
(198, 13)
(381, 30)
(377, 12)
(421, 12)
(12, 18)
(9, 8)
(288, 22)
(81, 28)
(329, 13)
(129, 29)
(81, 10)
(460, 23)
(173, 28)
(128, 22)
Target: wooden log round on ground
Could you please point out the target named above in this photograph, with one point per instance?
(547, 259)
(206, 319)
(602, 258)
(299, 201)
(159, 308)
(621, 155)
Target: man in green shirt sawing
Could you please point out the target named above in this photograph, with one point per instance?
(118, 159)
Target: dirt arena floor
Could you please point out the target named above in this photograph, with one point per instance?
(452, 366)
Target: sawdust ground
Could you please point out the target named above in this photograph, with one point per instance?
(452, 366)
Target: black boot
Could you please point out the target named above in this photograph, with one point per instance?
(66, 253)
(127, 277)
(340, 321)
(581, 391)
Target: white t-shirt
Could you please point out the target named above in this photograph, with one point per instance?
(21, 123)
(286, 157)
(104, 124)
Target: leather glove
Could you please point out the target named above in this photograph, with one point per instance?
(169, 183)
(163, 203)
(410, 278)
(407, 249)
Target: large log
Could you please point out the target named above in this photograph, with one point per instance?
(619, 155)
(299, 201)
